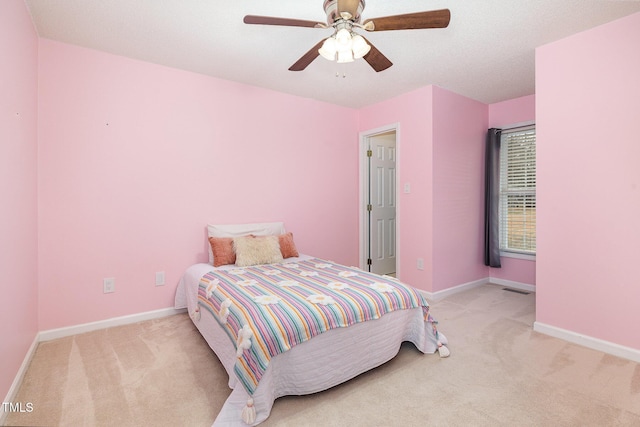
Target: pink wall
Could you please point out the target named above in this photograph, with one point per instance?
(504, 114)
(440, 149)
(135, 159)
(515, 270)
(512, 111)
(459, 129)
(587, 110)
(413, 112)
(18, 191)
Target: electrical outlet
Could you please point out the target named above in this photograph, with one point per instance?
(109, 285)
(420, 264)
(159, 278)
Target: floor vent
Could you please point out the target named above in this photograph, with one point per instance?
(516, 291)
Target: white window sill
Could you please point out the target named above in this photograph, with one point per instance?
(517, 255)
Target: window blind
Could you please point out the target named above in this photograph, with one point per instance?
(518, 190)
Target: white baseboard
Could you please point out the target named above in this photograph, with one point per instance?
(434, 296)
(511, 284)
(17, 381)
(589, 342)
(52, 334)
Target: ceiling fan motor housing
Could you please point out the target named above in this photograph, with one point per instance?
(331, 9)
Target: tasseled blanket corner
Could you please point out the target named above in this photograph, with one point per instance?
(443, 350)
(249, 412)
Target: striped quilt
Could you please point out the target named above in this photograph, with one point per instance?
(267, 309)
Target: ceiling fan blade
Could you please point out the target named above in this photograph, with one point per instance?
(376, 59)
(307, 58)
(411, 21)
(349, 6)
(269, 20)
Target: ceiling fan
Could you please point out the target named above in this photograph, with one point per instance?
(345, 45)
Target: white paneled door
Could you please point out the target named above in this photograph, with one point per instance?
(382, 203)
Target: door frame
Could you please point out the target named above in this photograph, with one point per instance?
(365, 136)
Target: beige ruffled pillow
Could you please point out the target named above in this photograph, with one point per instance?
(254, 250)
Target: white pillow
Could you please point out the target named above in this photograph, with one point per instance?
(238, 230)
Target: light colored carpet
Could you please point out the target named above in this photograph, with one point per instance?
(500, 373)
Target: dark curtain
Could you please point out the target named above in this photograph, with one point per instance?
(492, 199)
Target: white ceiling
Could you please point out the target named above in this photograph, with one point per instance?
(487, 52)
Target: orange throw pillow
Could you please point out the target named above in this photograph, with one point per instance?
(222, 248)
(287, 246)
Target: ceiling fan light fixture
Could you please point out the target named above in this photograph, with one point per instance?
(359, 46)
(344, 46)
(345, 56)
(329, 49)
(343, 38)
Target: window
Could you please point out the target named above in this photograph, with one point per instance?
(518, 190)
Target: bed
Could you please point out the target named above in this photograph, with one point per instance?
(298, 325)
